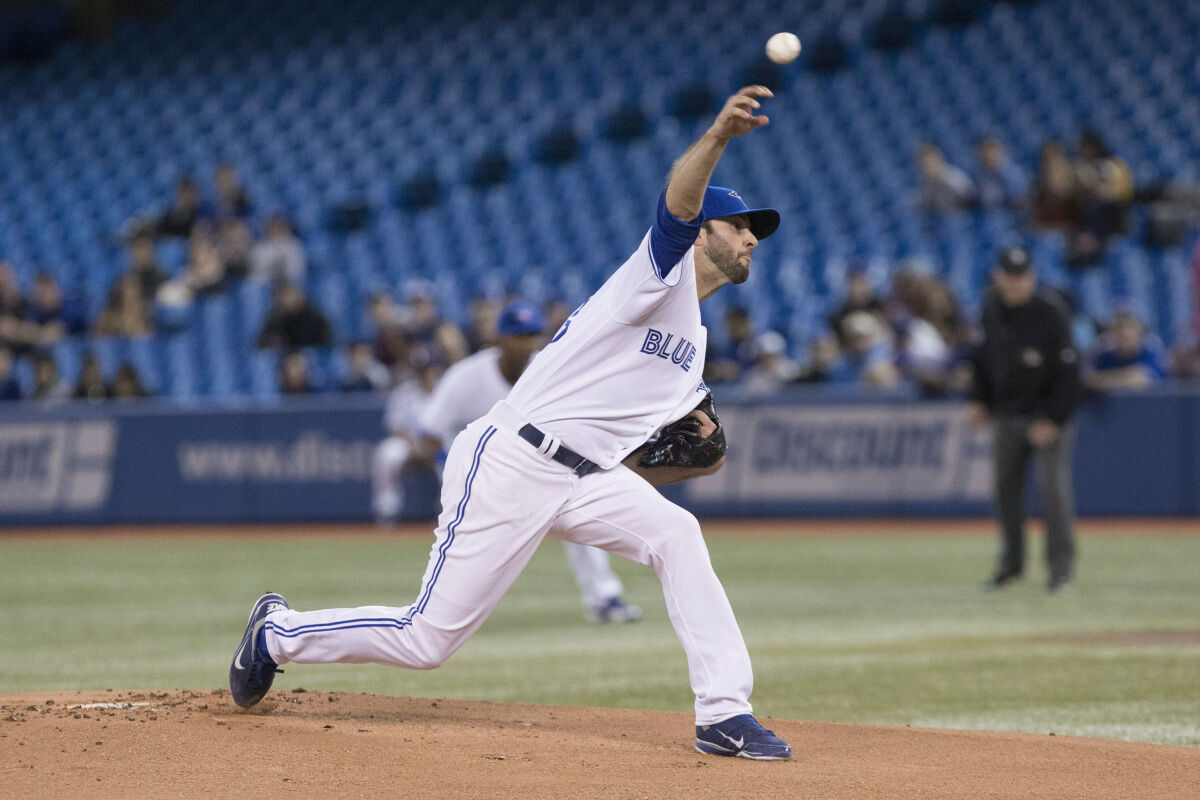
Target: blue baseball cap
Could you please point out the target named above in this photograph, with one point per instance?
(721, 202)
(520, 319)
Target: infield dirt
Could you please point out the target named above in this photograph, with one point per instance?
(192, 744)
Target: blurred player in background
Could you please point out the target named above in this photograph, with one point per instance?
(395, 454)
(466, 392)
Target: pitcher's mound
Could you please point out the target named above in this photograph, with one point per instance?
(315, 744)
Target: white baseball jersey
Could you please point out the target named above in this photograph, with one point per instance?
(629, 360)
(404, 404)
(464, 394)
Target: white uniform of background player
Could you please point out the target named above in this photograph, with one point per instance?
(401, 418)
(467, 391)
(627, 362)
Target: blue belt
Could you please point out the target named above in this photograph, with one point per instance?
(563, 455)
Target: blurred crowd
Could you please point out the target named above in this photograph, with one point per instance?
(1087, 194)
(912, 333)
(900, 326)
(903, 326)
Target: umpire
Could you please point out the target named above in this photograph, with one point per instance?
(1027, 384)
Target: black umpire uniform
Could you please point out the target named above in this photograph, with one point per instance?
(1027, 378)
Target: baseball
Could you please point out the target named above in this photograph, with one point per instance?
(783, 47)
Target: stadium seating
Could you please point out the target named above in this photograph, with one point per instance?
(320, 104)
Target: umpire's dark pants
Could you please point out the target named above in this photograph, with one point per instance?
(1011, 456)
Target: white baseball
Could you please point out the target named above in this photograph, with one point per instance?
(783, 47)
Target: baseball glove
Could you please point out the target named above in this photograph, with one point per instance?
(681, 445)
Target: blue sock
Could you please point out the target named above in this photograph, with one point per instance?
(260, 645)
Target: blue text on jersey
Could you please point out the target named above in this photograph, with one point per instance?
(658, 344)
(567, 323)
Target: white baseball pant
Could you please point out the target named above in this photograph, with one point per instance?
(500, 498)
(387, 471)
(593, 574)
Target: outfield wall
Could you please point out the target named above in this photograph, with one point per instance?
(805, 455)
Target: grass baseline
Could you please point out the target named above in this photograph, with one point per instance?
(881, 628)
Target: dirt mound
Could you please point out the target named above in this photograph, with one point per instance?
(316, 744)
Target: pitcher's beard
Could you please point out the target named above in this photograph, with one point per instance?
(726, 260)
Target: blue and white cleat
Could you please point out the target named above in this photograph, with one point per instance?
(614, 610)
(741, 736)
(252, 670)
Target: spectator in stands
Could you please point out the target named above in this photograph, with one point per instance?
(823, 355)
(186, 210)
(365, 374)
(922, 356)
(860, 296)
(51, 316)
(48, 385)
(1055, 200)
(916, 291)
(143, 264)
(923, 316)
(1000, 184)
(1106, 183)
(294, 322)
(9, 388)
(127, 312)
(772, 369)
(1128, 361)
(1105, 186)
(91, 385)
(907, 292)
(426, 327)
(944, 188)
(729, 361)
(941, 309)
(13, 309)
(232, 203)
(279, 256)
(867, 356)
(1185, 360)
(127, 384)
(481, 325)
(293, 374)
(390, 339)
(12, 301)
(234, 242)
(204, 272)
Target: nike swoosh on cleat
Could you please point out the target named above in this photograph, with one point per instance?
(739, 743)
(271, 607)
(237, 662)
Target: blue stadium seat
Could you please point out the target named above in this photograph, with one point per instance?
(319, 109)
(264, 375)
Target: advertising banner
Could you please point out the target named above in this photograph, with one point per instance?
(827, 456)
(311, 460)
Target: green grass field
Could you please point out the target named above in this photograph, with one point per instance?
(883, 629)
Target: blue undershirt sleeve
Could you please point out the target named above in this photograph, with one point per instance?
(670, 238)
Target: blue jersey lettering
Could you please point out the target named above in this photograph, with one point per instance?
(656, 344)
(563, 330)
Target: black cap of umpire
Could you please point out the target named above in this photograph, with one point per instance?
(1015, 260)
